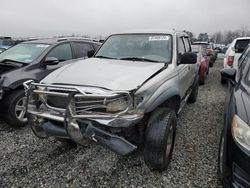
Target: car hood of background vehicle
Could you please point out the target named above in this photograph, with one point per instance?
(105, 73)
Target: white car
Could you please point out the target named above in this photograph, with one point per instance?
(234, 52)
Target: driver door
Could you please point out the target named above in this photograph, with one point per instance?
(183, 70)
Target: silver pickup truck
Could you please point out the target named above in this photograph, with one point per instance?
(127, 95)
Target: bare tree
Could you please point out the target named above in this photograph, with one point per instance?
(217, 37)
(244, 30)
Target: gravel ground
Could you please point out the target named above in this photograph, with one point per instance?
(26, 161)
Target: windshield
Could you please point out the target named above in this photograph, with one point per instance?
(138, 47)
(24, 52)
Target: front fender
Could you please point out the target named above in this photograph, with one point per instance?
(170, 92)
(18, 83)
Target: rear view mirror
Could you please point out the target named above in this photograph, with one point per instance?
(91, 53)
(228, 74)
(51, 61)
(188, 58)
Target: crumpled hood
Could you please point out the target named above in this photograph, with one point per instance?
(105, 73)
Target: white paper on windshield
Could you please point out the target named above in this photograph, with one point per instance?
(42, 45)
(152, 38)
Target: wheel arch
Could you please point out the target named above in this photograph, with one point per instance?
(170, 98)
(19, 83)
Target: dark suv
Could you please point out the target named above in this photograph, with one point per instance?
(34, 60)
(234, 153)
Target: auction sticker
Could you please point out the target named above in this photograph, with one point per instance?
(158, 38)
(42, 45)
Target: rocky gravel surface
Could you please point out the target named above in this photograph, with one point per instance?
(26, 161)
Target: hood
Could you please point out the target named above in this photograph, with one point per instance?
(105, 73)
(9, 66)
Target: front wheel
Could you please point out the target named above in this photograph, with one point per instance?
(194, 93)
(15, 108)
(160, 138)
(222, 170)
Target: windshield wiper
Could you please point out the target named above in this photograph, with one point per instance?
(140, 59)
(105, 57)
(11, 60)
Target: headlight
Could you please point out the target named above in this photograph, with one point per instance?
(241, 132)
(117, 105)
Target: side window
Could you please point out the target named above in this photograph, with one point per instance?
(181, 48)
(247, 77)
(187, 44)
(243, 56)
(81, 49)
(243, 63)
(62, 52)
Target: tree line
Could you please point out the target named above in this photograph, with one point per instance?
(221, 37)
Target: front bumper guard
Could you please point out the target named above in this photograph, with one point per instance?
(113, 142)
(72, 130)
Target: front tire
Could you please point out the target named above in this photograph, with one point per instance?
(15, 108)
(222, 170)
(160, 138)
(194, 93)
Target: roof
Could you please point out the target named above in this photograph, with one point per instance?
(242, 38)
(56, 40)
(156, 31)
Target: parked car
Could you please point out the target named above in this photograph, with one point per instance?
(234, 152)
(129, 93)
(211, 54)
(225, 48)
(234, 52)
(34, 60)
(202, 61)
(4, 47)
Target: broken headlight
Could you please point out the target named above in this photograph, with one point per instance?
(118, 105)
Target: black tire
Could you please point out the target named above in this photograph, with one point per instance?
(10, 113)
(211, 64)
(193, 96)
(67, 142)
(160, 132)
(223, 81)
(222, 170)
(202, 82)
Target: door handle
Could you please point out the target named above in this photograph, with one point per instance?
(189, 68)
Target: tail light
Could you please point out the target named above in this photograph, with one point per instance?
(230, 61)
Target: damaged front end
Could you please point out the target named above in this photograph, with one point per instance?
(81, 113)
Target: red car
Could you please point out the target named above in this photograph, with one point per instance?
(203, 61)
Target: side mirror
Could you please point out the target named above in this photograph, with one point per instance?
(233, 48)
(228, 74)
(188, 58)
(50, 61)
(91, 53)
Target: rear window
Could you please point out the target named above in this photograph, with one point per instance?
(240, 45)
